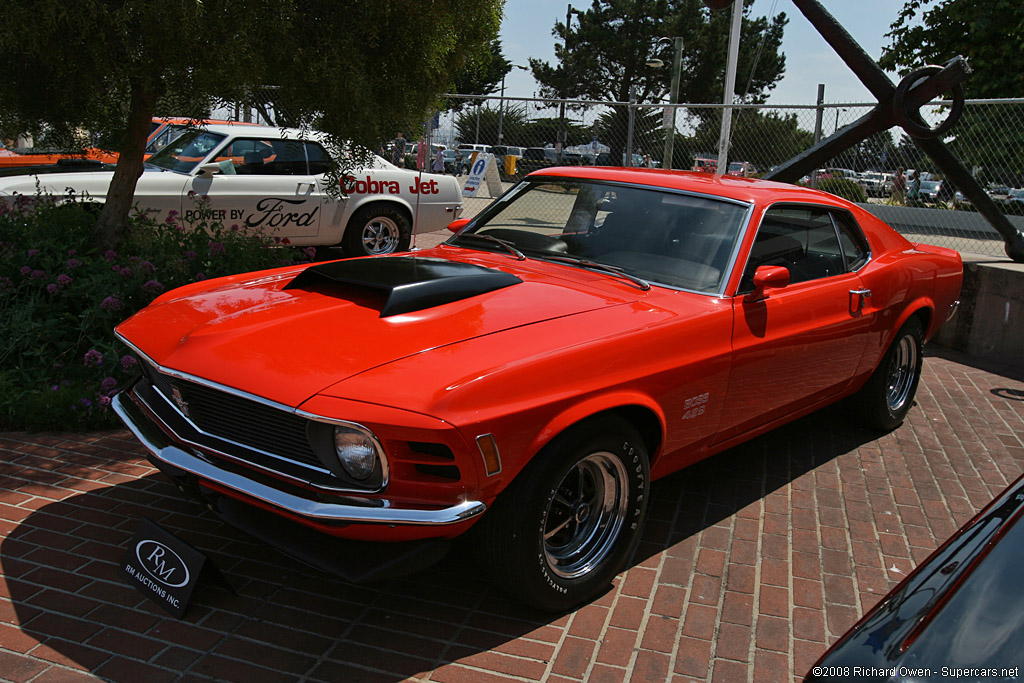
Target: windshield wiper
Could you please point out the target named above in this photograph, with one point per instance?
(603, 267)
(508, 246)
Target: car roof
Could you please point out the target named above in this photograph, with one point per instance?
(752, 190)
(269, 132)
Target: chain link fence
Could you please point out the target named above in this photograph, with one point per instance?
(530, 133)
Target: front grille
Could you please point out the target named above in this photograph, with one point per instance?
(238, 419)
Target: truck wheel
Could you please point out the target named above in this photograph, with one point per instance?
(572, 518)
(375, 230)
(886, 399)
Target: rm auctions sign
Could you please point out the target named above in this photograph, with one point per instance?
(163, 567)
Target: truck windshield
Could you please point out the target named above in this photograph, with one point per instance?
(185, 153)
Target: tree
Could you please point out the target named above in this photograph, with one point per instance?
(609, 51)
(481, 75)
(991, 36)
(110, 67)
(480, 124)
(763, 139)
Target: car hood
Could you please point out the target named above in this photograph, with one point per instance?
(288, 336)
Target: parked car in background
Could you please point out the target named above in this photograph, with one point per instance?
(163, 131)
(960, 611)
(273, 180)
(535, 158)
(591, 330)
(741, 168)
(705, 164)
(876, 183)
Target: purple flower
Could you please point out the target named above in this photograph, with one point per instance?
(26, 270)
(72, 252)
(172, 217)
(310, 252)
(108, 384)
(104, 401)
(111, 303)
(234, 228)
(73, 263)
(190, 255)
(64, 280)
(191, 193)
(217, 249)
(93, 358)
(126, 272)
(147, 266)
(52, 289)
(127, 362)
(36, 274)
(55, 387)
(152, 286)
(110, 255)
(32, 253)
(86, 402)
(200, 276)
(5, 282)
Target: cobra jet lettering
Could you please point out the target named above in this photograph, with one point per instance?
(271, 212)
(369, 186)
(423, 187)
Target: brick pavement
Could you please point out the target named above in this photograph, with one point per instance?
(752, 562)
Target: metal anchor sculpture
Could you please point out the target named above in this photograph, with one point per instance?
(897, 105)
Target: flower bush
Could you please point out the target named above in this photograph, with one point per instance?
(60, 298)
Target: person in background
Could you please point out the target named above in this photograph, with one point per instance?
(398, 151)
(914, 189)
(899, 187)
(439, 161)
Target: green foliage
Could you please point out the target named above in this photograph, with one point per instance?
(841, 187)
(481, 76)
(357, 71)
(60, 298)
(989, 34)
(751, 132)
(610, 48)
(479, 125)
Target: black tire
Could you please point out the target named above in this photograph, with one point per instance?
(545, 540)
(886, 399)
(375, 230)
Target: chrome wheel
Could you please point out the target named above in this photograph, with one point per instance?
(586, 515)
(902, 373)
(380, 236)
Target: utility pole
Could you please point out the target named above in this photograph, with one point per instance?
(730, 86)
(670, 113)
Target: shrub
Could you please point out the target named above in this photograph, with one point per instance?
(841, 187)
(60, 298)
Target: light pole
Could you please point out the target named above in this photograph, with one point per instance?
(669, 120)
(563, 138)
(501, 105)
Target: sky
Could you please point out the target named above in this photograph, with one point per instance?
(526, 32)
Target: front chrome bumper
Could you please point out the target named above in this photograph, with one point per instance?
(352, 510)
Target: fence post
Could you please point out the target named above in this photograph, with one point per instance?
(629, 130)
(818, 116)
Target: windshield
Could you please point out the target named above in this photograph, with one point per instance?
(186, 152)
(678, 240)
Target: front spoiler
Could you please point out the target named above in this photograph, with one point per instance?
(352, 510)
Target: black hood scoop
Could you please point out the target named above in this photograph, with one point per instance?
(409, 283)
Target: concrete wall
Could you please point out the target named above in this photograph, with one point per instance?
(990, 323)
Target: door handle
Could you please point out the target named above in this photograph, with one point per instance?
(862, 298)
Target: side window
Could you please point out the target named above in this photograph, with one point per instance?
(802, 239)
(319, 160)
(265, 157)
(855, 247)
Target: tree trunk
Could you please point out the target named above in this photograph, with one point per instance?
(120, 197)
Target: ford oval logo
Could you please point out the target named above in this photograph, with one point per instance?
(164, 564)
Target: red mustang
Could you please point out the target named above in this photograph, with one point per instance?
(591, 330)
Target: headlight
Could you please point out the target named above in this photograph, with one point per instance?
(356, 451)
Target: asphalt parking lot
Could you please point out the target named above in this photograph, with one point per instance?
(752, 563)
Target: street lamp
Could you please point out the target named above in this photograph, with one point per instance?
(563, 138)
(669, 121)
(501, 105)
